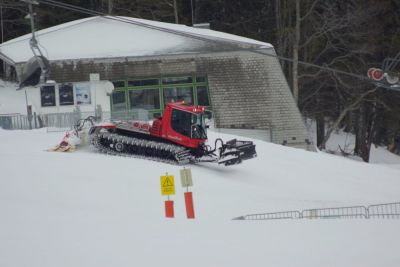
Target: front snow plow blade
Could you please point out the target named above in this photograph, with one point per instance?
(235, 151)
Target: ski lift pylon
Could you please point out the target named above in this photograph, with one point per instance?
(36, 69)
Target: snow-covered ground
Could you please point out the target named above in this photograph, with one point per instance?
(346, 142)
(89, 209)
(341, 141)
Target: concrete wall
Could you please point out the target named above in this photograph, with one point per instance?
(248, 90)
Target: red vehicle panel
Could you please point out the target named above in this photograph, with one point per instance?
(179, 123)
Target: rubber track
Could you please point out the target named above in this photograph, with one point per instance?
(139, 148)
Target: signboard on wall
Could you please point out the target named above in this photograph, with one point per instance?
(82, 94)
(66, 94)
(48, 95)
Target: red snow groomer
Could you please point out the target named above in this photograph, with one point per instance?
(178, 137)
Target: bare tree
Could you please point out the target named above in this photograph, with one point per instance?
(176, 12)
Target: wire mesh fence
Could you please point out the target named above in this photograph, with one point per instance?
(387, 210)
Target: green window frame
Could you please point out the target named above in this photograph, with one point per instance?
(118, 84)
(191, 88)
(202, 95)
(118, 100)
(177, 94)
(143, 82)
(146, 98)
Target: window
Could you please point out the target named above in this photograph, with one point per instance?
(143, 82)
(176, 94)
(181, 122)
(66, 94)
(177, 80)
(198, 126)
(48, 95)
(202, 96)
(153, 94)
(188, 124)
(118, 84)
(145, 99)
(118, 100)
(201, 79)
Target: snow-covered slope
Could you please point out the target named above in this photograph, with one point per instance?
(89, 209)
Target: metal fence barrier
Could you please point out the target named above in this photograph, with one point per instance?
(387, 210)
(18, 122)
(61, 121)
(354, 212)
(68, 120)
(65, 121)
(271, 216)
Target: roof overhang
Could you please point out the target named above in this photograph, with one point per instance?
(7, 59)
(111, 37)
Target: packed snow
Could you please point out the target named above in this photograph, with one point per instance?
(342, 143)
(88, 209)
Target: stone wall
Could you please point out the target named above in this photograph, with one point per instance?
(250, 91)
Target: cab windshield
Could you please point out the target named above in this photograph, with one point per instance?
(189, 124)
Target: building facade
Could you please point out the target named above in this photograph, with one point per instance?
(239, 80)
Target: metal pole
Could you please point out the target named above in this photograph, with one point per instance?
(27, 111)
(34, 119)
(31, 15)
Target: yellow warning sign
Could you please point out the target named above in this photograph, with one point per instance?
(167, 185)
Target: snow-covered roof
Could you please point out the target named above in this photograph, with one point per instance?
(105, 37)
